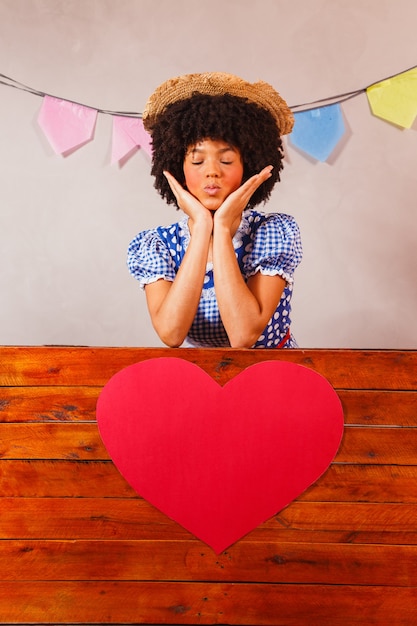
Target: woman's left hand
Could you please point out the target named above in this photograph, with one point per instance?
(229, 213)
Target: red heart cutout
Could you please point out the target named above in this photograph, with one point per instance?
(219, 460)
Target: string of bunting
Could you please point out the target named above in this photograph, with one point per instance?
(318, 128)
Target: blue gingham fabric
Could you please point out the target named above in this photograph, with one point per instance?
(266, 243)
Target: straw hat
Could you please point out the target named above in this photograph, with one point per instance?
(214, 84)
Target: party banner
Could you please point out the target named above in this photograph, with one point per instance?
(128, 135)
(318, 131)
(66, 125)
(319, 125)
(395, 99)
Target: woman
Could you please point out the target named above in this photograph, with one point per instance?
(222, 275)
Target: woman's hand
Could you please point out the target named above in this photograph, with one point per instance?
(189, 203)
(229, 213)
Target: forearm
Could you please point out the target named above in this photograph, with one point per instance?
(173, 305)
(240, 311)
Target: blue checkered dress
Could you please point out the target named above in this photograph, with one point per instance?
(268, 243)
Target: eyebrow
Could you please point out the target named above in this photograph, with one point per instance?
(222, 150)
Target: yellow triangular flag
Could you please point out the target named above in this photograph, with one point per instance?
(395, 99)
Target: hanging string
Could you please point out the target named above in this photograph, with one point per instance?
(322, 102)
(11, 82)
(316, 104)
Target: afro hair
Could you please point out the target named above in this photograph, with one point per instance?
(235, 120)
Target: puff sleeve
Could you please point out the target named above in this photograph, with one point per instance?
(149, 258)
(276, 248)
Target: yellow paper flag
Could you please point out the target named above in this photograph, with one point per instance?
(395, 99)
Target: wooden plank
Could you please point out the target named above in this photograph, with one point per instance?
(84, 518)
(206, 603)
(379, 408)
(48, 404)
(61, 478)
(375, 445)
(333, 563)
(365, 483)
(115, 518)
(83, 442)
(51, 440)
(101, 479)
(344, 369)
(74, 404)
(364, 516)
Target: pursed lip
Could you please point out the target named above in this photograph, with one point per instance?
(211, 189)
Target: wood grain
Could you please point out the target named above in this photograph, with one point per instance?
(70, 404)
(100, 479)
(332, 563)
(115, 518)
(78, 545)
(79, 366)
(378, 445)
(93, 602)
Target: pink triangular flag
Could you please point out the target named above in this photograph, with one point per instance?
(66, 124)
(128, 134)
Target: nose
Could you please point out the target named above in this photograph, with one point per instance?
(213, 169)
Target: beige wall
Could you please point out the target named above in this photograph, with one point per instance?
(65, 223)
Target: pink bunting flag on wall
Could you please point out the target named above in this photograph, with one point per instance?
(128, 135)
(66, 125)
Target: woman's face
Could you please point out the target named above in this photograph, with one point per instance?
(212, 170)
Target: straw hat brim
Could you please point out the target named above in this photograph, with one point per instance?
(213, 84)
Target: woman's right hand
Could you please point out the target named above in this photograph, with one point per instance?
(189, 203)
